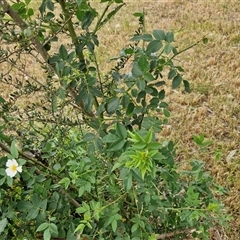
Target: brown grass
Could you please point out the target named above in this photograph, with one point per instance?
(213, 106)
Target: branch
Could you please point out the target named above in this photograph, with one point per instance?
(68, 19)
(40, 47)
(7, 8)
(172, 234)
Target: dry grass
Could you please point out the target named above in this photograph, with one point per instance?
(213, 106)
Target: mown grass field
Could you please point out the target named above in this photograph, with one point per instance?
(213, 70)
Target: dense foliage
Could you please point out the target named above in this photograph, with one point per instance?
(90, 160)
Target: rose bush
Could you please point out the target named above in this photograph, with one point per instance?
(85, 160)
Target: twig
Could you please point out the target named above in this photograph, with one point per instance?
(40, 47)
(172, 234)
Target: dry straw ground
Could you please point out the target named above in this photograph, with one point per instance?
(213, 106)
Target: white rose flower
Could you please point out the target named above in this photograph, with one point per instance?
(12, 168)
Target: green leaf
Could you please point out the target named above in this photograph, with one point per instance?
(2, 100)
(109, 138)
(32, 214)
(27, 1)
(53, 228)
(3, 224)
(36, 200)
(130, 108)
(47, 234)
(125, 100)
(113, 105)
(134, 227)
(110, 15)
(154, 145)
(168, 48)
(148, 77)
(135, 137)
(141, 84)
(82, 93)
(81, 190)
(21, 161)
(50, 5)
(147, 37)
(154, 102)
(9, 181)
(80, 13)
(139, 145)
(169, 37)
(88, 137)
(116, 145)
(42, 227)
(99, 144)
(13, 150)
(65, 181)
(88, 187)
(176, 81)
(163, 105)
(100, 109)
(159, 34)
(143, 63)
(81, 209)
(114, 225)
(24, 206)
(95, 92)
(160, 83)
(79, 228)
(79, 2)
(30, 12)
(87, 19)
(161, 94)
(18, 6)
(54, 103)
(121, 130)
(136, 71)
(43, 204)
(205, 40)
(88, 102)
(147, 199)
(49, 16)
(172, 73)
(4, 137)
(138, 14)
(148, 137)
(117, 165)
(153, 46)
(166, 113)
(2, 180)
(63, 52)
(186, 86)
(144, 37)
(127, 182)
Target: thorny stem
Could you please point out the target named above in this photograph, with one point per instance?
(68, 18)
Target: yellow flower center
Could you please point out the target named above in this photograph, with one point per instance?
(14, 168)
